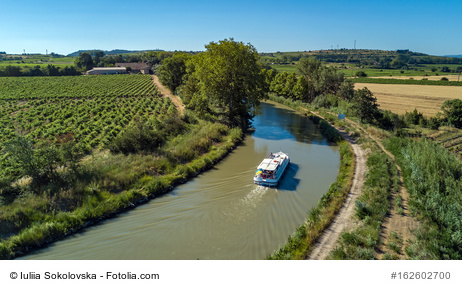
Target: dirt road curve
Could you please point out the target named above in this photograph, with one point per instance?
(166, 93)
(344, 219)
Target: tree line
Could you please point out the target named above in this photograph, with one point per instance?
(49, 70)
(226, 82)
(90, 59)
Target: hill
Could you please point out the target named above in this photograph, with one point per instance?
(111, 52)
(381, 59)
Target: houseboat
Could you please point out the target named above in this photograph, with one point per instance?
(270, 170)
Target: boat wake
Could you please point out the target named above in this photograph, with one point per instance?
(254, 197)
(247, 206)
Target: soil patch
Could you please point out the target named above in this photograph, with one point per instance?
(168, 94)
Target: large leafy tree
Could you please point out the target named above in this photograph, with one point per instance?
(84, 61)
(229, 80)
(320, 79)
(365, 105)
(172, 70)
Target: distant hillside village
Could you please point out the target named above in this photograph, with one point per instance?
(121, 68)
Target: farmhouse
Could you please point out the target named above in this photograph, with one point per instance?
(135, 67)
(106, 71)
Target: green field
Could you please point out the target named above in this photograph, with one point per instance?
(93, 109)
(36, 60)
(289, 68)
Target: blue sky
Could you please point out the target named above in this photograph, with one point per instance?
(432, 27)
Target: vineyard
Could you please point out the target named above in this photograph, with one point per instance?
(449, 138)
(90, 109)
(48, 188)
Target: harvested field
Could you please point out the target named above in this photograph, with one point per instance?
(453, 78)
(405, 98)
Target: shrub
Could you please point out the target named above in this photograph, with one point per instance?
(325, 101)
(434, 123)
(453, 112)
(139, 137)
(414, 117)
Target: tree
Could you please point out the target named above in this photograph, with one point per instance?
(445, 69)
(172, 70)
(301, 89)
(289, 86)
(12, 71)
(35, 71)
(99, 54)
(228, 75)
(346, 90)
(84, 61)
(278, 84)
(51, 70)
(309, 68)
(453, 111)
(365, 105)
(70, 71)
(330, 80)
(320, 79)
(268, 75)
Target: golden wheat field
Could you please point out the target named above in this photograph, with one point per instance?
(405, 98)
(453, 78)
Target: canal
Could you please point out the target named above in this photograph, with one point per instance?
(221, 214)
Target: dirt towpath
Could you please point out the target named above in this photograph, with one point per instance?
(399, 224)
(168, 94)
(344, 219)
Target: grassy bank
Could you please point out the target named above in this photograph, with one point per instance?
(115, 182)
